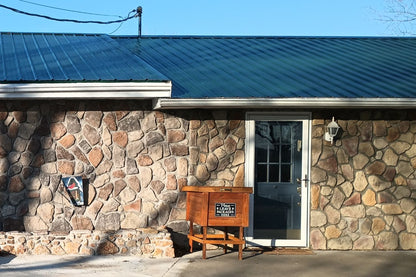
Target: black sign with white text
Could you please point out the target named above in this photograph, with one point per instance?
(225, 209)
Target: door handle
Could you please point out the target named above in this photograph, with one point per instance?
(305, 180)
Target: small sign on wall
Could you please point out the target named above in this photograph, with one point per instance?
(225, 209)
(75, 189)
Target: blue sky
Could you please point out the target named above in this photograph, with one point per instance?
(213, 17)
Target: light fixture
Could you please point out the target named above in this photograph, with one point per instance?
(331, 131)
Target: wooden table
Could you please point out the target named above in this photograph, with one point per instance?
(210, 206)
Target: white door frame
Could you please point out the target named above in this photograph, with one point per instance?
(305, 118)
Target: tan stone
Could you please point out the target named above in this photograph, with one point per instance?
(202, 173)
(318, 241)
(342, 243)
(337, 198)
(407, 241)
(110, 120)
(378, 184)
(392, 209)
(145, 176)
(387, 241)
(332, 232)
(332, 214)
(66, 167)
(95, 156)
(408, 205)
(67, 141)
(375, 168)
(34, 224)
(357, 211)
(360, 181)
(379, 128)
(315, 195)
(347, 172)
(360, 161)
(377, 225)
(120, 138)
(174, 136)
(318, 219)
(46, 211)
(58, 130)
(239, 177)
(134, 206)
(369, 198)
(380, 143)
(390, 158)
(400, 147)
(318, 175)
(353, 200)
(144, 160)
(364, 243)
(81, 223)
(41, 250)
(134, 220)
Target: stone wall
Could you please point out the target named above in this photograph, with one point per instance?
(363, 188)
(133, 162)
(142, 242)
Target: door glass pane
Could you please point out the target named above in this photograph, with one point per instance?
(277, 207)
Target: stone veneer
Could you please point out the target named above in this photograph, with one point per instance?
(133, 162)
(363, 188)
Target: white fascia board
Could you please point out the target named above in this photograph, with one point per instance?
(87, 90)
(285, 103)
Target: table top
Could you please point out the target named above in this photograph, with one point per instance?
(216, 189)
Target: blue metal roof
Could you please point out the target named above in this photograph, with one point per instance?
(282, 67)
(35, 57)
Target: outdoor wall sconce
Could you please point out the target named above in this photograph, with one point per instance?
(331, 131)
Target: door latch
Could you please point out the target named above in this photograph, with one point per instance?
(305, 180)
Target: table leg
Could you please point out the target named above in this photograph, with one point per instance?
(191, 233)
(240, 246)
(204, 246)
(225, 238)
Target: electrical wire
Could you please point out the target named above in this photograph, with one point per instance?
(67, 10)
(71, 20)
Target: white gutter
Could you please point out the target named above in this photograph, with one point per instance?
(285, 103)
(90, 90)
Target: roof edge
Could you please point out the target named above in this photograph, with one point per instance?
(285, 103)
(90, 90)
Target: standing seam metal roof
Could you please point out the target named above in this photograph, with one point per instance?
(37, 57)
(281, 67)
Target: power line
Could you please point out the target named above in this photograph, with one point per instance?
(67, 10)
(71, 20)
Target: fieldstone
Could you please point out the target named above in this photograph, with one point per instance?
(108, 222)
(379, 128)
(148, 208)
(107, 248)
(357, 211)
(101, 180)
(119, 185)
(172, 123)
(202, 143)
(398, 224)
(134, 183)
(179, 150)
(380, 143)
(378, 184)
(171, 183)
(405, 168)
(157, 186)
(318, 241)
(121, 114)
(81, 223)
(411, 224)
(318, 219)
(156, 152)
(375, 168)
(390, 158)
(355, 199)
(360, 161)
(347, 172)
(66, 168)
(330, 164)
(63, 154)
(385, 197)
(392, 209)
(79, 155)
(350, 145)
(332, 232)
(408, 205)
(400, 147)
(182, 167)
(347, 188)
(120, 138)
(46, 211)
(67, 141)
(402, 192)
(393, 133)
(318, 175)
(45, 195)
(110, 120)
(170, 164)
(148, 195)
(153, 138)
(41, 250)
(92, 210)
(16, 184)
(174, 136)
(407, 241)
(119, 157)
(58, 130)
(105, 191)
(226, 175)
(134, 220)
(95, 156)
(337, 198)
(202, 173)
(387, 241)
(389, 173)
(215, 143)
(378, 225)
(127, 195)
(72, 124)
(342, 243)
(364, 243)
(91, 135)
(159, 173)
(145, 176)
(134, 206)
(34, 224)
(239, 177)
(144, 160)
(230, 145)
(333, 214)
(369, 198)
(93, 118)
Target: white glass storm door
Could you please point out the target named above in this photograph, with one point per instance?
(277, 167)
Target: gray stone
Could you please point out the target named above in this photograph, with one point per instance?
(408, 205)
(134, 220)
(342, 243)
(72, 124)
(337, 199)
(405, 168)
(390, 158)
(153, 138)
(172, 123)
(360, 161)
(119, 156)
(93, 118)
(134, 148)
(26, 130)
(131, 167)
(108, 222)
(91, 135)
(378, 184)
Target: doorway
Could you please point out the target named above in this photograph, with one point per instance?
(277, 167)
